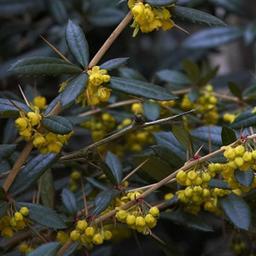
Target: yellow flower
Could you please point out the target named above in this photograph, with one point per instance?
(34, 118)
(104, 94)
(24, 211)
(39, 102)
(21, 123)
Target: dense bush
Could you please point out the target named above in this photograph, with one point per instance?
(119, 132)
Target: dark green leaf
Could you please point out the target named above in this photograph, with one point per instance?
(44, 216)
(172, 76)
(183, 136)
(161, 2)
(77, 43)
(235, 90)
(32, 172)
(197, 16)
(192, 70)
(140, 88)
(235, 6)
(3, 208)
(43, 66)
(244, 120)
(214, 37)
(69, 201)
(245, 178)
(115, 167)
(6, 150)
(74, 88)
(215, 183)
(57, 124)
(131, 74)
(11, 108)
(151, 110)
(228, 135)
(48, 249)
(237, 211)
(113, 63)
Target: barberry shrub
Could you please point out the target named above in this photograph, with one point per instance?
(144, 148)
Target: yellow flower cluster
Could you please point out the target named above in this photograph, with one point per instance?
(205, 105)
(25, 248)
(96, 91)
(138, 217)
(11, 224)
(75, 178)
(147, 18)
(39, 102)
(197, 192)
(29, 127)
(229, 118)
(89, 235)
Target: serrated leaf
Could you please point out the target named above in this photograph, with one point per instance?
(69, 201)
(44, 216)
(57, 124)
(172, 76)
(11, 108)
(228, 135)
(197, 16)
(6, 150)
(48, 249)
(102, 200)
(115, 167)
(32, 172)
(74, 88)
(114, 63)
(77, 43)
(44, 66)
(161, 2)
(237, 211)
(141, 88)
(244, 120)
(151, 110)
(213, 37)
(245, 178)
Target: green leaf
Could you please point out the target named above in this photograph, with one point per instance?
(151, 110)
(235, 90)
(69, 201)
(49, 249)
(213, 37)
(183, 136)
(161, 2)
(215, 183)
(3, 208)
(32, 172)
(172, 76)
(44, 66)
(237, 211)
(6, 150)
(114, 63)
(115, 167)
(44, 216)
(57, 124)
(235, 6)
(102, 200)
(197, 16)
(245, 178)
(192, 70)
(11, 108)
(140, 88)
(228, 135)
(131, 74)
(244, 120)
(77, 43)
(74, 88)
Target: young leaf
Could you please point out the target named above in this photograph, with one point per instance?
(6, 150)
(158, 3)
(69, 201)
(44, 66)
(214, 37)
(113, 63)
(115, 166)
(140, 88)
(237, 211)
(49, 249)
(151, 110)
(228, 135)
(44, 216)
(11, 108)
(245, 178)
(57, 124)
(74, 88)
(197, 16)
(31, 172)
(77, 43)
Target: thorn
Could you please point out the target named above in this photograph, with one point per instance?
(182, 29)
(23, 95)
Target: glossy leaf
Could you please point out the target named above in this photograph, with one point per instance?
(11, 108)
(44, 66)
(237, 211)
(49, 249)
(161, 2)
(151, 110)
(6, 150)
(69, 201)
(57, 124)
(244, 178)
(140, 88)
(228, 135)
(115, 167)
(114, 63)
(77, 43)
(44, 216)
(244, 120)
(173, 77)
